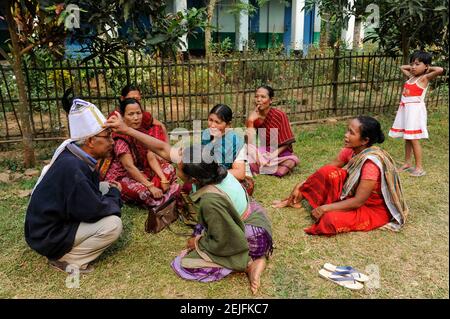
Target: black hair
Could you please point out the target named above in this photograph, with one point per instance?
(123, 105)
(268, 88)
(223, 112)
(67, 100)
(128, 88)
(204, 169)
(370, 128)
(422, 56)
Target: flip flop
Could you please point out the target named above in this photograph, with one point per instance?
(405, 169)
(346, 271)
(417, 173)
(344, 281)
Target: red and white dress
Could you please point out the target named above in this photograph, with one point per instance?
(411, 119)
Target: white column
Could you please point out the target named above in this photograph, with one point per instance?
(347, 35)
(181, 5)
(361, 33)
(297, 24)
(317, 22)
(242, 39)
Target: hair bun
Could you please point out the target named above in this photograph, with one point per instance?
(221, 171)
(67, 99)
(381, 137)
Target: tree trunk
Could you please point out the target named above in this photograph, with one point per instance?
(325, 32)
(24, 115)
(209, 15)
(405, 47)
(335, 76)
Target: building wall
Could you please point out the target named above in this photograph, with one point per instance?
(222, 18)
(267, 27)
(271, 17)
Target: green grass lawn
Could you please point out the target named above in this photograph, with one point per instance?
(410, 264)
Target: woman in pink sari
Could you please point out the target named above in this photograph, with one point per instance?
(274, 155)
(145, 179)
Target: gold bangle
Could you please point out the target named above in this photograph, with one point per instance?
(165, 182)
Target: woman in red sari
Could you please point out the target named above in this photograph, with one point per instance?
(359, 191)
(144, 178)
(274, 155)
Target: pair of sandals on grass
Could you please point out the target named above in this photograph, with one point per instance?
(345, 276)
(413, 171)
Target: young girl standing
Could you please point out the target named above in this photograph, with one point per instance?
(411, 119)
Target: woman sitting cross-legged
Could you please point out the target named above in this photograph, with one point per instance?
(233, 231)
(144, 178)
(274, 155)
(359, 191)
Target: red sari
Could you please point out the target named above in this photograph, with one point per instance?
(275, 121)
(325, 187)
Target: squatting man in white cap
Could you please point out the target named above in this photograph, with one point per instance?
(69, 220)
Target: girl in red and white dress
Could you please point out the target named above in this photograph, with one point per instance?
(411, 119)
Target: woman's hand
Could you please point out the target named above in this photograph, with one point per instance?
(155, 191)
(253, 116)
(116, 123)
(318, 212)
(296, 196)
(190, 243)
(264, 159)
(165, 185)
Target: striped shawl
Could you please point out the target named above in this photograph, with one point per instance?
(391, 186)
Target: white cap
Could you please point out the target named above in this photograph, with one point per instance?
(85, 120)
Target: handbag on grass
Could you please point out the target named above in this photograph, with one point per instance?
(161, 217)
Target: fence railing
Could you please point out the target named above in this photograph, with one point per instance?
(307, 89)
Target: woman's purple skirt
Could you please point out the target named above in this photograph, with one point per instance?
(259, 244)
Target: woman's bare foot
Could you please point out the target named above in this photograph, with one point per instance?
(285, 203)
(254, 271)
(280, 203)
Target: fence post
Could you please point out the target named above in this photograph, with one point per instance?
(244, 106)
(335, 77)
(127, 67)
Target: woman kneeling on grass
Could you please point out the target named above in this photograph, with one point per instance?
(359, 191)
(233, 232)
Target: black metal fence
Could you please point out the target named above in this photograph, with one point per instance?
(307, 89)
